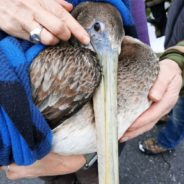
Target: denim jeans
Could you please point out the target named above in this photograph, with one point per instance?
(172, 134)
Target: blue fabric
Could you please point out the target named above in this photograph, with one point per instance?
(122, 5)
(172, 134)
(24, 134)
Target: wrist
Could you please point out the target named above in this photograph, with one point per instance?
(171, 64)
(175, 69)
(175, 54)
(90, 160)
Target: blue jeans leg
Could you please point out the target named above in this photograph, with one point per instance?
(172, 134)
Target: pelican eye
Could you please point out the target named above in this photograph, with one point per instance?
(97, 27)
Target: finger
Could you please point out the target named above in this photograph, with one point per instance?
(158, 109)
(147, 117)
(65, 24)
(77, 30)
(13, 28)
(17, 172)
(11, 175)
(46, 37)
(168, 71)
(159, 87)
(132, 134)
(53, 24)
(175, 86)
(65, 4)
(25, 25)
(153, 114)
(14, 176)
(6, 169)
(20, 34)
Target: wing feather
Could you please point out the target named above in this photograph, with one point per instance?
(63, 79)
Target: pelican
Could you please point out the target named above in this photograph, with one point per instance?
(64, 79)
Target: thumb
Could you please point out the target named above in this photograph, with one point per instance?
(160, 86)
(168, 70)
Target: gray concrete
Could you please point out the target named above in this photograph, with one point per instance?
(137, 168)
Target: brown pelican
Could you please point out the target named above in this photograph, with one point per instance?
(65, 77)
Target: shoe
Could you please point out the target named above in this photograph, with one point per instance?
(151, 147)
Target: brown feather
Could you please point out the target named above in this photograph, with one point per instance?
(63, 79)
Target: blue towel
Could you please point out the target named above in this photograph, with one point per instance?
(24, 134)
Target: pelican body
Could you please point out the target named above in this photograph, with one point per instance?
(137, 71)
(64, 79)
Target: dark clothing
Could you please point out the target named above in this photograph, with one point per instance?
(175, 24)
(172, 134)
(158, 18)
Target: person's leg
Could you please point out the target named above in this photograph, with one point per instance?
(172, 134)
(169, 136)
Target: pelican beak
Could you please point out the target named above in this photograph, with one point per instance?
(105, 107)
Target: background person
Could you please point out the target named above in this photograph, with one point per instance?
(173, 132)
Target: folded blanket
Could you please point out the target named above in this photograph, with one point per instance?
(24, 134)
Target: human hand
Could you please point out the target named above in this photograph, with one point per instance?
(164, 95)
(52, 164)
(19, 17)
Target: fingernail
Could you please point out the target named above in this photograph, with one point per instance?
(86, 40)
(124, 139)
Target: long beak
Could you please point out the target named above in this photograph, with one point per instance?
(105, 107)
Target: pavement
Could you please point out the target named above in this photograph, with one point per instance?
(137, 168)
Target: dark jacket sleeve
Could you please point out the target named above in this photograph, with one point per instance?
(175, 25)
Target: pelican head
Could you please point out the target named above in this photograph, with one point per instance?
(104, 25)
(105, 28)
